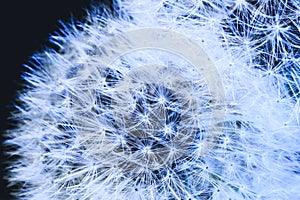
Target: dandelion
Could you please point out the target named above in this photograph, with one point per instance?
(164, 100)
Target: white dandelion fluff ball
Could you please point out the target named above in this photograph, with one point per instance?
(164, 100)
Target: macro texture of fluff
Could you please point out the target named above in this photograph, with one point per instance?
(144, 126)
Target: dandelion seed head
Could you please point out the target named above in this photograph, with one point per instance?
(167, 100)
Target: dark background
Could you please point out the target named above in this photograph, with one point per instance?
(25, 28)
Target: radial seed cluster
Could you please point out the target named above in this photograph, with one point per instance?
(164, 99)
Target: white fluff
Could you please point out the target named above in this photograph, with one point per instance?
(140, 128)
